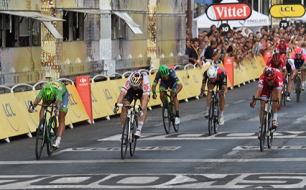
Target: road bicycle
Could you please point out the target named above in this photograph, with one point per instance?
(285, 93)
(168, 111)
(266, 131)
(128, 138)
(298, 85)
(214, 110)
(46, 131)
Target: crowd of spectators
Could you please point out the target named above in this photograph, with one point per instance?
(215, 44)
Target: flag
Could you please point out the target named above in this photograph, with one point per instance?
(205, 1)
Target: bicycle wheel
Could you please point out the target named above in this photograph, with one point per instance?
(134, 139)
(263, 132)
(285, 93)
(124, 138)
(175, 127)
(211, 118)
(40, 139)
(166, 116)
(216, 116)
(51, 138)
(283, 97)
(298, 89)
(270, 138)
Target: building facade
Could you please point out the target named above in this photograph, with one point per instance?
(65, 38)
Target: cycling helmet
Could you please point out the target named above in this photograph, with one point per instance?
(136, 79)
(276, 57)
(282, 42)
(270, 74)
(212, 72)
(48, 92)
(299, 51)
(163, 70)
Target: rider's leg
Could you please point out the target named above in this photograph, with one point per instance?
(144, 105)
(289, 84)
(303, 77)
(262, 107)
(222, 100)
(61, 120)
(124, 112)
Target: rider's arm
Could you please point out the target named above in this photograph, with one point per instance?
(222, 78)
(36, 101)
(204, 80)
(179, 88)
(155, 82)
(121, 96)
(258, 92)
(58, 104)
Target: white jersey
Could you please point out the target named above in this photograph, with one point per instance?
(291, 63)
(145, 86)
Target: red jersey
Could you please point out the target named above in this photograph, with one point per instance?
(271, 64)
(282, 50)
(278, 82)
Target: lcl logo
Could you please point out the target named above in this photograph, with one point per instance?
(93, 99)
(8, 110)
(107, 94)
(287, 9)
(71, 100)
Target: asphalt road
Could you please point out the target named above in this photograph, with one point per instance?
(89, 155)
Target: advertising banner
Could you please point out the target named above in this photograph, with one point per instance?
(229, 11)
(267, 55)
(229, 67)
(83, 87)
(287, 10)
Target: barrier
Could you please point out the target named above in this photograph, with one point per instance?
(157, 101)
(101, 107)
(76, 110)
(11, 116)
(248, 68)
(196, 77)
(188, 85)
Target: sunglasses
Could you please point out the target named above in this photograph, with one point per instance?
(298, 54)
(269, 81)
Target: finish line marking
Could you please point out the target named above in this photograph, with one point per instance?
(218, 136)
(153, 161)
(273, 148)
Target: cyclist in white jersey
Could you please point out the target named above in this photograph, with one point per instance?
(137, 85)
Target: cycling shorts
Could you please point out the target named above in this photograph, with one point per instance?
(289, 69)
(265, 93)
(298, 66)
(219, 83)
(133, 94)
(65, 102)
(165, 85)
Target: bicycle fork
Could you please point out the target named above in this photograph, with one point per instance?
(131, 119)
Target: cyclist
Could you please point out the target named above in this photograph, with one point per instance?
(216, 76)
(137, 85)
(54, 92)
(299, 63)
(270, 80)
(290, 69)
(276, 62)
(282, 48)
(168, 79)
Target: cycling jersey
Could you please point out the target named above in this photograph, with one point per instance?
(61, 94)
(290, 66)
(278, 84)
(282, 50)
(271, 64)
(295, 57)
(145, 86)
(172, 78)
(221, 76)
(298, 63)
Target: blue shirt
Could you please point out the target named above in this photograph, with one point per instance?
(171, 79)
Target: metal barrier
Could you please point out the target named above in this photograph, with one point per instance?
(22, 84)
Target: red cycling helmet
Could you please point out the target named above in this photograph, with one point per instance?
(282, 42)
(299, 50)
(270, 74)
(276, 57)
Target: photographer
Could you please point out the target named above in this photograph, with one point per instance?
(212, 52)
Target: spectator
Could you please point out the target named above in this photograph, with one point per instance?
(193, 54)
(212, 29)
(188, 46)
(205, 33)
(209, 53)
(203, 46)
(201, 37)
(228, 36)
(262, 32)
(201, 58)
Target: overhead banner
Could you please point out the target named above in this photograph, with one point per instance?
(229, 11)
(286, 11)
(229, 67)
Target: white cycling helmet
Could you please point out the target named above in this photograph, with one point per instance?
(136, 79)
(212, 72)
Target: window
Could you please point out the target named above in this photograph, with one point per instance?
(24, 31)
(118, 28)
(10, 30)
(36, 28)
(73, 27)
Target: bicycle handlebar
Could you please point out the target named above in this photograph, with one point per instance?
(265, 100)
(43, 105)
(128, 106)
(159, 91)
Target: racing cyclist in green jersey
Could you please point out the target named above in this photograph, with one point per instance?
(168, 79)
(54, 92)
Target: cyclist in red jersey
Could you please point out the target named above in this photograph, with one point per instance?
(270, 80)
(282, 48)
(276, 62)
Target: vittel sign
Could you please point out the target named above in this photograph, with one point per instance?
(229, 11)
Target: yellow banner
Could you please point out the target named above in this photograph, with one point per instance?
(157, 101)
(188, 86)
(196, 76)
(11, 116)
(238, 78)
(249, 69)
(76, 110)
(110, 94)
(99, 107)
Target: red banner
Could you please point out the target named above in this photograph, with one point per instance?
(226, 11)
(84, 90)
(229, 67)
(267, 55)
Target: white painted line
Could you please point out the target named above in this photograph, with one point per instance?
(226, 105)
(280, 115)
(153, 161)
(300, 120)
(238, 101)
(273, 148)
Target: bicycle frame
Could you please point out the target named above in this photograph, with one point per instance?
(168, 102)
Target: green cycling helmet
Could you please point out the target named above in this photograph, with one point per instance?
(48, 92)
(163, 70)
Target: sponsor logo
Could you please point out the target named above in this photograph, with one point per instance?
(83, 82)
(233, 11)
(284, 11)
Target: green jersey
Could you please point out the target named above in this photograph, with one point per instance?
(59, 90)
